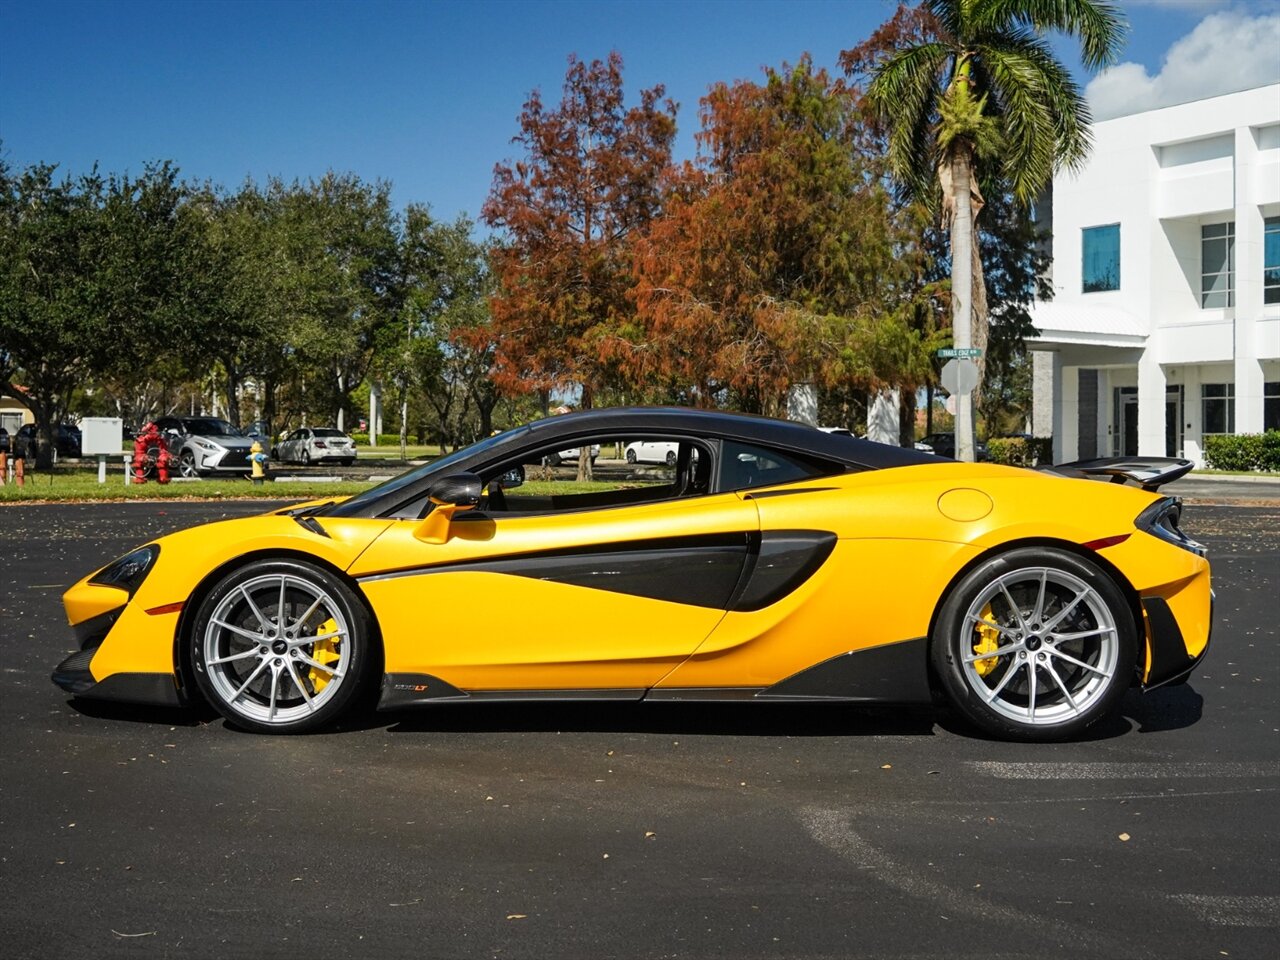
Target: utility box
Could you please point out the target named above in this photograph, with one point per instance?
(101, 435)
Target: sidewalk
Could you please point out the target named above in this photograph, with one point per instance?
(1261, 490)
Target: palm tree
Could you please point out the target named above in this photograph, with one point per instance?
(982, 94)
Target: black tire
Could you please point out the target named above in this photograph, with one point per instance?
(306, 457)
(1081, 651)
(350, 461)
(671, 458)
(275, 453)
(295, 686)
(187, 465)
(631, 456)
(554, 460)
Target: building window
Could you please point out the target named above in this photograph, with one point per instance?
(1101, 269)
(1217, 265)
(1271, 261)
(1271, 405)
(1217, 408)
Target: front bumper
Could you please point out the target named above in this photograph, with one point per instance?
(158, 689)
(217, 461)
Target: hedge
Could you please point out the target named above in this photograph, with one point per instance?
(1244, 451)
(1020, 451)
(384, 439)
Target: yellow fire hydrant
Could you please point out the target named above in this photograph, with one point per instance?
(257, 463)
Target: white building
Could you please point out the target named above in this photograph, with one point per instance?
(1165, 322)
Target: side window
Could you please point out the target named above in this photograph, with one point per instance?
(743, 466)
(625, 471)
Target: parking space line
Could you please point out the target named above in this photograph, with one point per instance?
(833, 829)
(1122, 771)
(1232, 911)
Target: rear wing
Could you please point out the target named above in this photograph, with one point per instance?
(1147, 472)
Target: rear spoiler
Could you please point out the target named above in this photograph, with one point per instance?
(1148, 472)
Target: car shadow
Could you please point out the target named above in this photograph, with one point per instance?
(1164, 708)
(706, 719)
(192, 716)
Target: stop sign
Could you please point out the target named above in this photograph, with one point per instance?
(959, 376)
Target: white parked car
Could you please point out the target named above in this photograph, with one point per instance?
(315, 444)
(652, 451)
(570, 456)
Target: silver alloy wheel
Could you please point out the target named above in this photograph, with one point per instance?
(270, 646)
(187, 464)
(1056, 646)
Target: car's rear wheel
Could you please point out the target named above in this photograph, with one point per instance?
(1035, 644)
(631, 456)
(306, 457)
(281, 646)
(671, 458)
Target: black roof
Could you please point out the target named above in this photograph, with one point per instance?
(783, 434)
(623, 423)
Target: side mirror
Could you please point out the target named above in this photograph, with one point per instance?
(512, 478)
(458, 491)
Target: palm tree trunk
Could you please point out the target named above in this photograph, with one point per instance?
(962, 252)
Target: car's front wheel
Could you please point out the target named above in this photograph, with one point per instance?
(187, 465)
(1035, 644)
(671, 458)
(281, 646)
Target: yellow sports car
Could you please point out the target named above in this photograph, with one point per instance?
(770, 561)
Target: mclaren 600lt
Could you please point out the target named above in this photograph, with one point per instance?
(766, 561)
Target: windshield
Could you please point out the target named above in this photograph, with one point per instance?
(440, 466)
(209, 427)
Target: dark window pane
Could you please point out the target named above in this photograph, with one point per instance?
(1213, 256)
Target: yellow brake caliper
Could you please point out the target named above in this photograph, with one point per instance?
(325, 652)
(988, 639)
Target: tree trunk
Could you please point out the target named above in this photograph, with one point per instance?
(962, 251)
(980, 324)
(584, 450)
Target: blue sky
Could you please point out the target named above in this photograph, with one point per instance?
(425, 95)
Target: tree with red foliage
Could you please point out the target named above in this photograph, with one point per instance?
(588, 181)
(778, 257)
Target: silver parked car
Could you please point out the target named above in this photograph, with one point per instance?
(314, 445)
(203, 445)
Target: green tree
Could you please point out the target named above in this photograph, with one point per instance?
(441, 344)
(980, 88)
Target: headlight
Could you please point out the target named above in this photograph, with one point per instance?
(129, 571)
(204, 444)
(1161, 521)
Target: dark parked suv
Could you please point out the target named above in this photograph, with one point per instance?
(66, 440)
(944, 445)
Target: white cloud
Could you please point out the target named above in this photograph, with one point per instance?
(1226, 52)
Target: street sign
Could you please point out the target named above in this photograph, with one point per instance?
(960, 352)
(959, 376)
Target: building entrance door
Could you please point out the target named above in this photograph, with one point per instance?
(1173, 421)
(1124, 430)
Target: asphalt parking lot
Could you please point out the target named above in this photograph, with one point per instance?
(640, 830)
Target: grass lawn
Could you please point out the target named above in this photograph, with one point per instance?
(76, 484)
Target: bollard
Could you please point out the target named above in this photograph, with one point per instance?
(4, 466)
(127, 478)
(19, 473)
